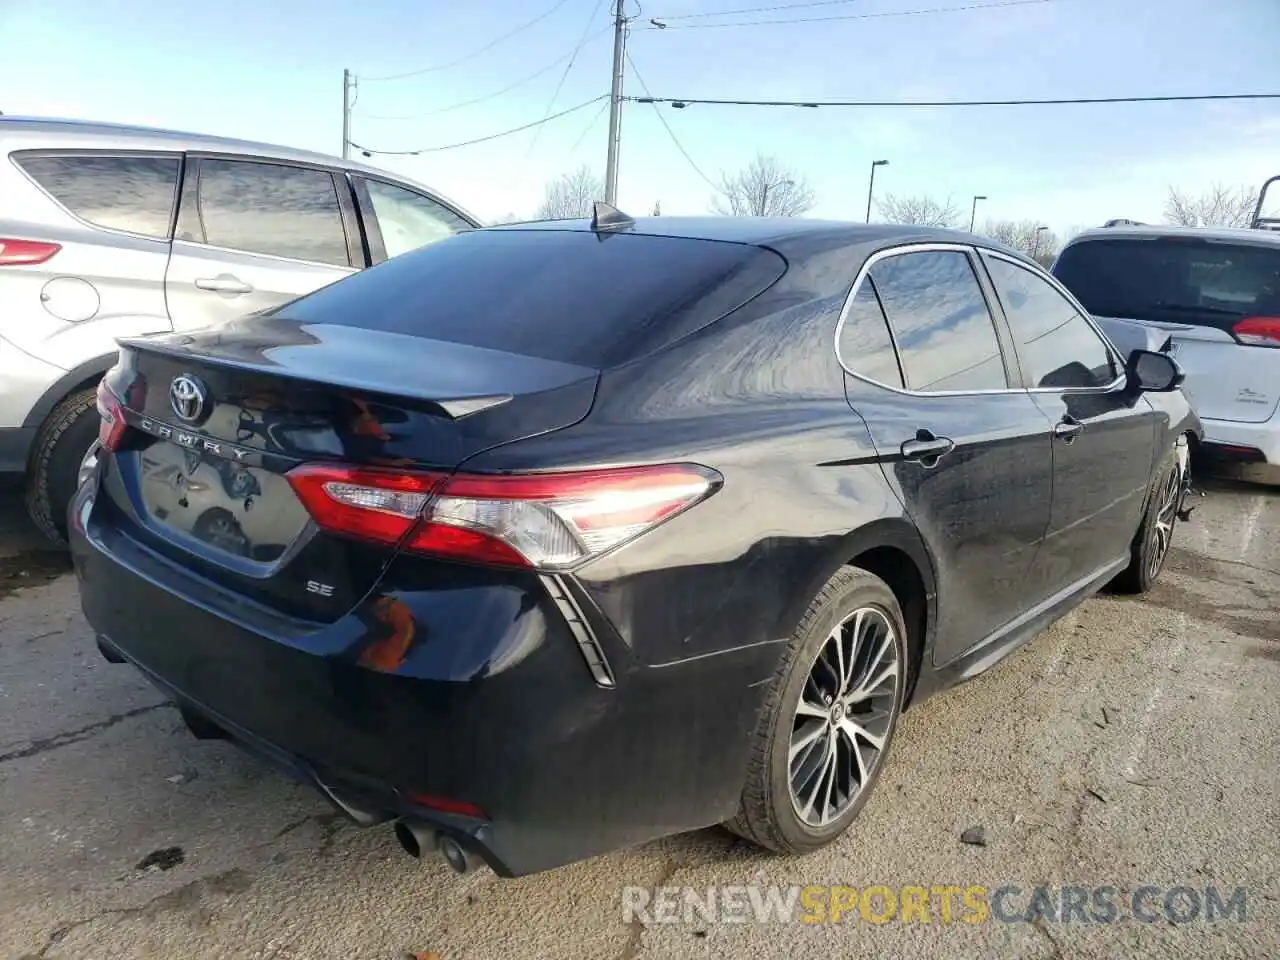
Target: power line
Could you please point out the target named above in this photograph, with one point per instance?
(595, 118)
(488, 96)
(573, 57)
(474, 53)
(671, 133)
(849, 16)
(731, 13)
(492, 136)
(680, 102)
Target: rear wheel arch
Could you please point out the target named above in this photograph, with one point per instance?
(79, 378)
(889, 545)
(897, 568)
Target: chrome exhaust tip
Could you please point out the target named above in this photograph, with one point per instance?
(419, 840)
(462, 860)
(416, 839)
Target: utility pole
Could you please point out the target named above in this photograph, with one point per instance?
(348, 82)
(615, 103)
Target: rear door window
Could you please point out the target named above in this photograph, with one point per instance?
(1056, 346)
(408, 220)
(1189, 280)
(130, 193)
(866, 346)
(269, 208)
(567, 295)
(944, 331)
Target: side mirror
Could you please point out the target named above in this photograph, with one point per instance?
(1154, 372)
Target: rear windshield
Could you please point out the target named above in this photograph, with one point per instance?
(1184, 280)
(572, 296)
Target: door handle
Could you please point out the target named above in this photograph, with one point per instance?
(224, 284)
(927, 448)
(1067, 428)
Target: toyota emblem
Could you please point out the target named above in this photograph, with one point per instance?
(187, 397)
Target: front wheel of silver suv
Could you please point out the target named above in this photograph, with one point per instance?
(54, 465)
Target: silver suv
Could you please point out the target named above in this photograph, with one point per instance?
(109, 231)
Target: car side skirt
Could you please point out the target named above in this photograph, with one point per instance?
(986, 654)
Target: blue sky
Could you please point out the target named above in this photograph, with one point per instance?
(274, 71)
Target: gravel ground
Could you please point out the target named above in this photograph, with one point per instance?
(1133, 743)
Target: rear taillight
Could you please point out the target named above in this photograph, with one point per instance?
(112, 427)
(18, 253)
(1258, 331)
(546, 520)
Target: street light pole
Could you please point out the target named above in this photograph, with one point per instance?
(973, 213)
(872, 185)
(346, 114)
(1035, 244)
(764, 195)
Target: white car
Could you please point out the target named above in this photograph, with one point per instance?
(1211, 298)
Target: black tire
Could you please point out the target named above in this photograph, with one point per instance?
(767, 813)
(54, 465)
(1146, 554)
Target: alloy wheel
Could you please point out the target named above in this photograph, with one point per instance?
(1165, 516)
(844, 716)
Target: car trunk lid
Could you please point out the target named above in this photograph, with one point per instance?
(219, 418)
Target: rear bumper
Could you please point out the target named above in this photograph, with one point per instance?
(1229, 440)
(489, 702)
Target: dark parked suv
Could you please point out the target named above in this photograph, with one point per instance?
(550, 539)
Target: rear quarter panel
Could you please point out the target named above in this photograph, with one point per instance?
(759, 397)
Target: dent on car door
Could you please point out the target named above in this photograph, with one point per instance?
(252, 235)
(968, 454)
(1104, 436)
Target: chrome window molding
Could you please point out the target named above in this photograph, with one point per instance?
(968, 250)
(1053, 282)
(971, 251)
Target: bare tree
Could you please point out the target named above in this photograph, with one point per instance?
(1219, 206)
(571, 195)
(1026, 236)
(766, 187)
(922, 210)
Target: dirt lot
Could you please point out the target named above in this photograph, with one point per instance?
(1134, 743)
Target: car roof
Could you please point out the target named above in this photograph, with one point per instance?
(60, 133)
(776, 232)
(1145, 232)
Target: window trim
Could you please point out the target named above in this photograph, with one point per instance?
(369, 221)
(1118, 383)
(195, 162)
(997, 321)
(18, 156)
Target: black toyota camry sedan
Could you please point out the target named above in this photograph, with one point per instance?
(553, 538)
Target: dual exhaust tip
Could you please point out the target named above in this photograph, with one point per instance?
(419, 840)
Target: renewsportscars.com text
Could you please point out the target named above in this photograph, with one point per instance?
(939, 903)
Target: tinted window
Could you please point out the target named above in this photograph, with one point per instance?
(274, 209)
(944, 331)
(408, 220)
(1056, 346)
(865, 345)
(561, 295)
(1180, 279)
(134, 194)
